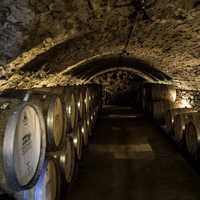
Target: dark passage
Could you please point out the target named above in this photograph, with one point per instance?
(128, 158)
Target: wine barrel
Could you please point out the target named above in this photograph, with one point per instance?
(68, 95)
(89, 124)
(71, 108)
(84, 131)
(53, 110)
(66, 159)
(180, 122)
(192, 135)
(77, 141)
(48, 185)
(157, 92)
(94, 117)
(54, 113)
(88, 99)
(80, 101)
(169, 118)
(23, 144)
(96, 91)
(92, 120)
(158, 110)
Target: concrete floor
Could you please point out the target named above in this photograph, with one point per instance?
(128, 158)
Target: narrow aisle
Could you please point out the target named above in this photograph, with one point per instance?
(128, 158)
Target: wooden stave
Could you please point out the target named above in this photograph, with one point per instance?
(192, 138)
(89, 96)
(155, 92)
(77, 141)
(89, 124)
(159, 108)
(44, 99)
(170, 116)
(87, 93)
(10, 118)
(79, 101)
(32, 193)
(46, 102)
(4, 185)
(179, 127)
(180, 122)
(67, 172)
(68, 94)
(96, 94)
(94, 116)
(84, 131)
(71, 102)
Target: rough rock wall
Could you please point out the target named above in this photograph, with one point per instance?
(188, 98)
(169, 39)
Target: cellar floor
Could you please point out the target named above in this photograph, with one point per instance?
(129, 158)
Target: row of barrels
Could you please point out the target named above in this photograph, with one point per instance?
(42, 135)
(180, 123)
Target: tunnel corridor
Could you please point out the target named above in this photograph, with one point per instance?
(130, 158)
(66, 59)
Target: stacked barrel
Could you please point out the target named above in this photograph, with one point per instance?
(157, 99)
(182, 124)
(43, 132)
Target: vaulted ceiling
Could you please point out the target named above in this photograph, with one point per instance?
(57, 35)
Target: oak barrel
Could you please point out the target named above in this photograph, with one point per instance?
(180, 122)
(54, 113)
(158, 110)
(192, 134)
(84, 131)
(23, 144)
(77, 141)
(66, 159)
(71, 108)
(157, 92)
(89, 124)
(48, 185)
(53, 110)
(87, 96)
(68, 94)
(170, 116)
(79, 96)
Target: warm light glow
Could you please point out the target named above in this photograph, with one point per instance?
(79, 104)
(174, 96)
(62, 158)
(75, 141)
(69, 110)
(82, 130)
(185, 103)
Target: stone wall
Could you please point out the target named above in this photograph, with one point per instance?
(168, 38)
(188, 98)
